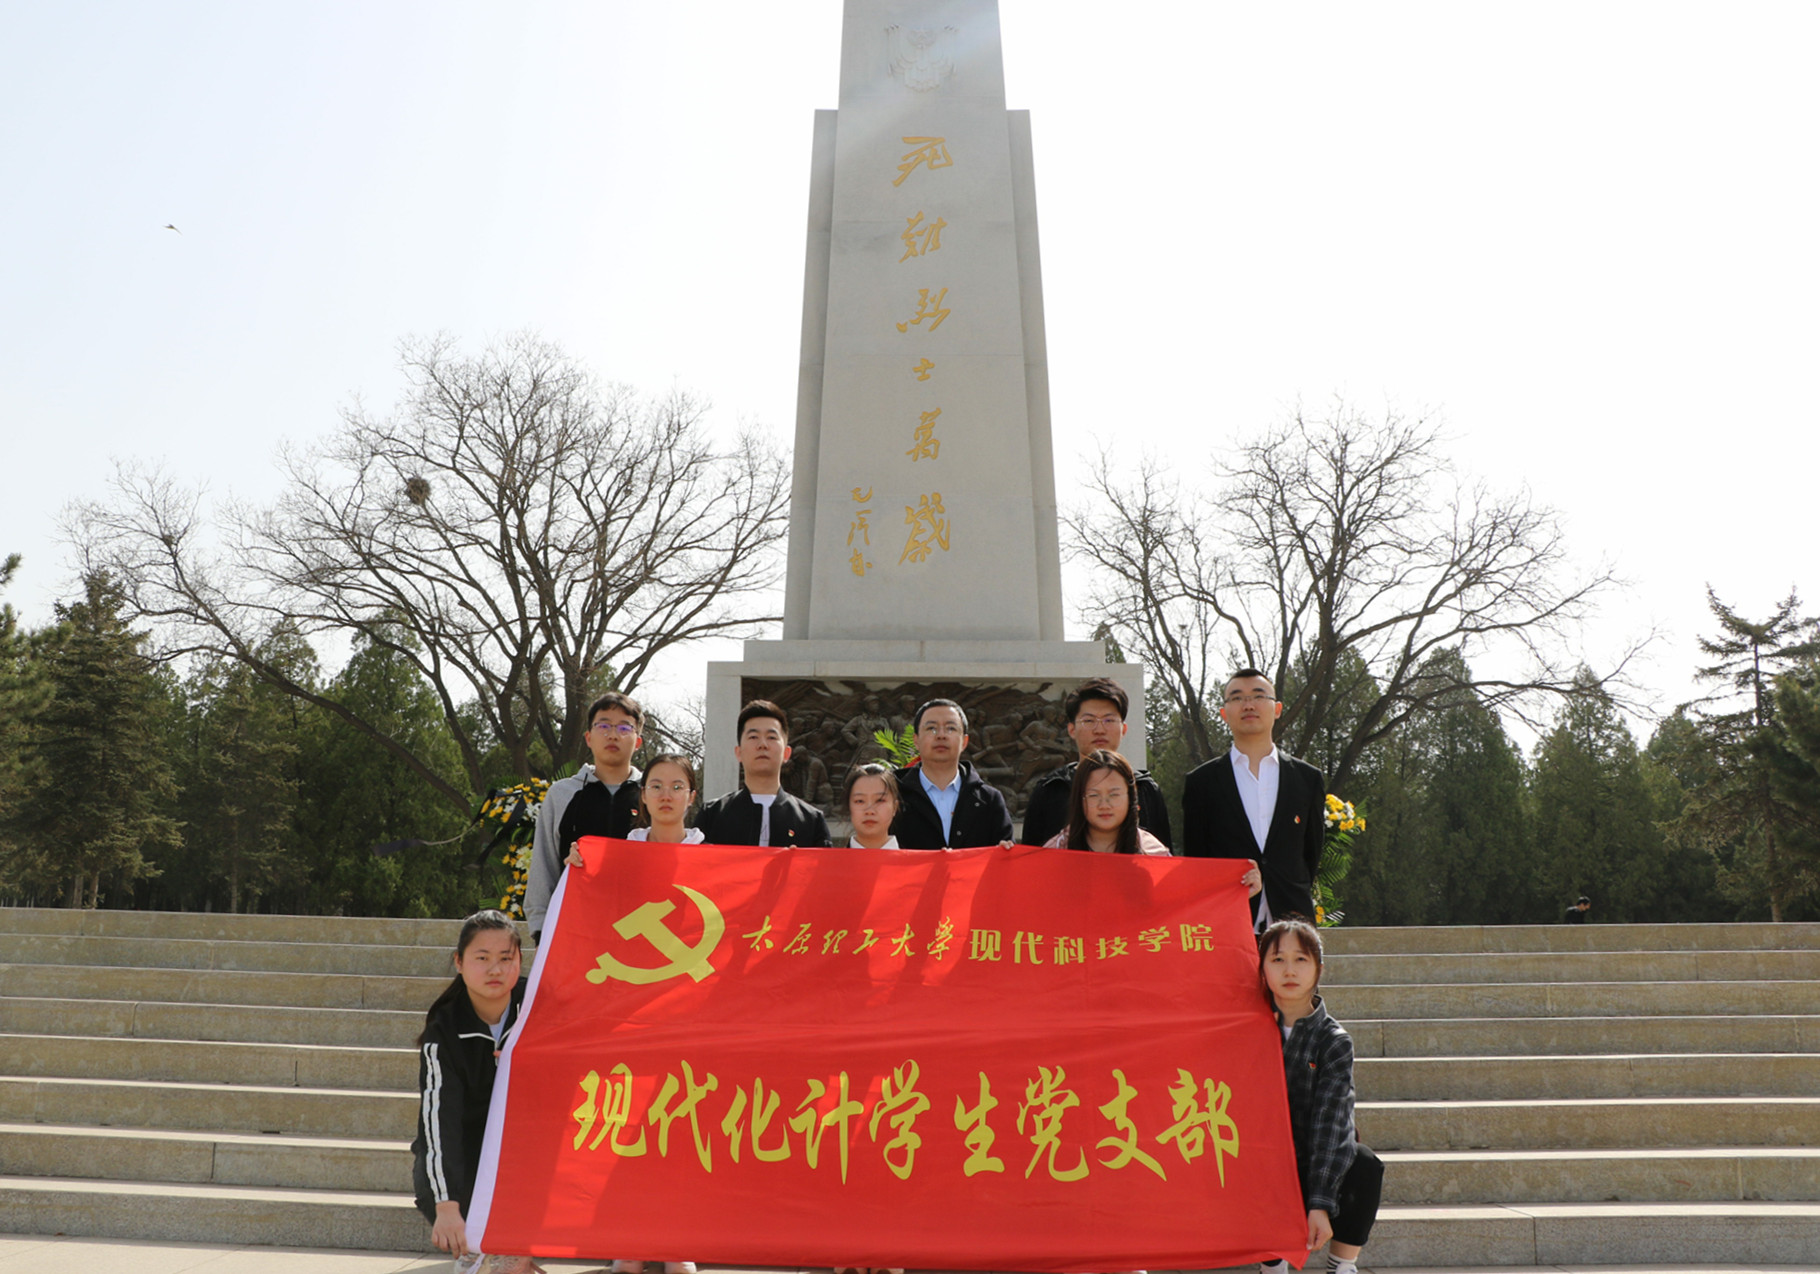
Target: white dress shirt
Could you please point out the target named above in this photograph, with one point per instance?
(1258, 794)
(765, 801)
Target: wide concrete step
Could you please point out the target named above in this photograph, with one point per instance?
(1637, 1123)
(218, 986)
(212, 1213)
(219, 927)
(1567, 966)
(370, 960)
(1346, 940)
(208, 1062)
(1572, 999)
(308, 1112)
(1682, 1174)
(1615, 1075)
(1576, 1235)
(1735, 1234)
(251, 1023)
(1507, 1036)
(204, 1158)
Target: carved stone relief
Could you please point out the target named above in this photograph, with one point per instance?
(1016, 730)
(921, 60)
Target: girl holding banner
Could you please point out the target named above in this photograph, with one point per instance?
(1341, 1179)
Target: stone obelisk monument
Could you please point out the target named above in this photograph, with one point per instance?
(923, 556)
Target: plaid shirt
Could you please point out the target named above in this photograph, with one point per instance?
(1317, 1063)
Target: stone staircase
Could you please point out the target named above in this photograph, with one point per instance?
(1595, 1094)
(1608, 1094)
(215, 1078)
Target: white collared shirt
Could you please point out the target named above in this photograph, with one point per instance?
(890, 843)
(1258, 792)
(691, 836)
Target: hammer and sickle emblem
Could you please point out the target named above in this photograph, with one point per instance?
(647, 921)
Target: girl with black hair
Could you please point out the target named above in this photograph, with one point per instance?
(1342, 1180)
(1103, 809)
(457, 1056)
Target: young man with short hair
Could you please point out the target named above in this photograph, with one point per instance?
(1095, 711)
(943, 800)
(1259, 803)
(759, 811)
(599, 799)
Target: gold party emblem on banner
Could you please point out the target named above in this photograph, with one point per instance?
(647, 921)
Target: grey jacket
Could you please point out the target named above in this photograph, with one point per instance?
(547, 851)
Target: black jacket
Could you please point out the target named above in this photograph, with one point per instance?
(1048, 810)
(734, 819)
(455, 1068)
(981, 816)
(1214, 825)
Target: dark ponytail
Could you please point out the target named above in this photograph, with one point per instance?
(471, 928)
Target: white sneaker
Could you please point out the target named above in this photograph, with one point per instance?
(1273, 1267)
(679, 1267)
(628, 1267)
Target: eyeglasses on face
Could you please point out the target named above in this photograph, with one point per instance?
(679, 787)
(1254, 696)
(1093, 723)
(945, 728)
(613, 727)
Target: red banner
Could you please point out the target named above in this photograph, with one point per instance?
(968, 1059)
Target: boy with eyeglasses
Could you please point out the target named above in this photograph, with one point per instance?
(1095, 711)
(599, 799)
(1260, 803)
(942, 800)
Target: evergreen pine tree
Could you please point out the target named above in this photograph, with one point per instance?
(96, 808)
(1734, 812)
(1595, 814)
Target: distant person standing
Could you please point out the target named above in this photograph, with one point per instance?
(1258, 802)
(599, 799)
(1095, 712)
(1576, 914)
(944, 801)
(759, 811)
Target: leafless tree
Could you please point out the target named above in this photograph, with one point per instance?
(1336, 555)
(525, 538)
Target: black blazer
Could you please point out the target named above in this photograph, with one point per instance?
(981, 816)
(1214, 825)
(734, 820)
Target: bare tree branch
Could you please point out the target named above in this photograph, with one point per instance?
(1340, 556)
(521, 537)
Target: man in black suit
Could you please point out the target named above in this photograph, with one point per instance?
(942, 800)
(1258, 803)
(760, 812)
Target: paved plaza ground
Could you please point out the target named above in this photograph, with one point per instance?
(43, 1254)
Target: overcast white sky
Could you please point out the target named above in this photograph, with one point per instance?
(1583, 235)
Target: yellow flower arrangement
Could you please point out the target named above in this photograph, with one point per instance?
(514, 809)
(1343, 821)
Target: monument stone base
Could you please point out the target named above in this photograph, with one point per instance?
(839, 692)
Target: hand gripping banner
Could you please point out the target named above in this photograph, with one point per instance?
(969, 1059)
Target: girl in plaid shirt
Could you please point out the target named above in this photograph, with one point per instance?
(1341, 1179)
